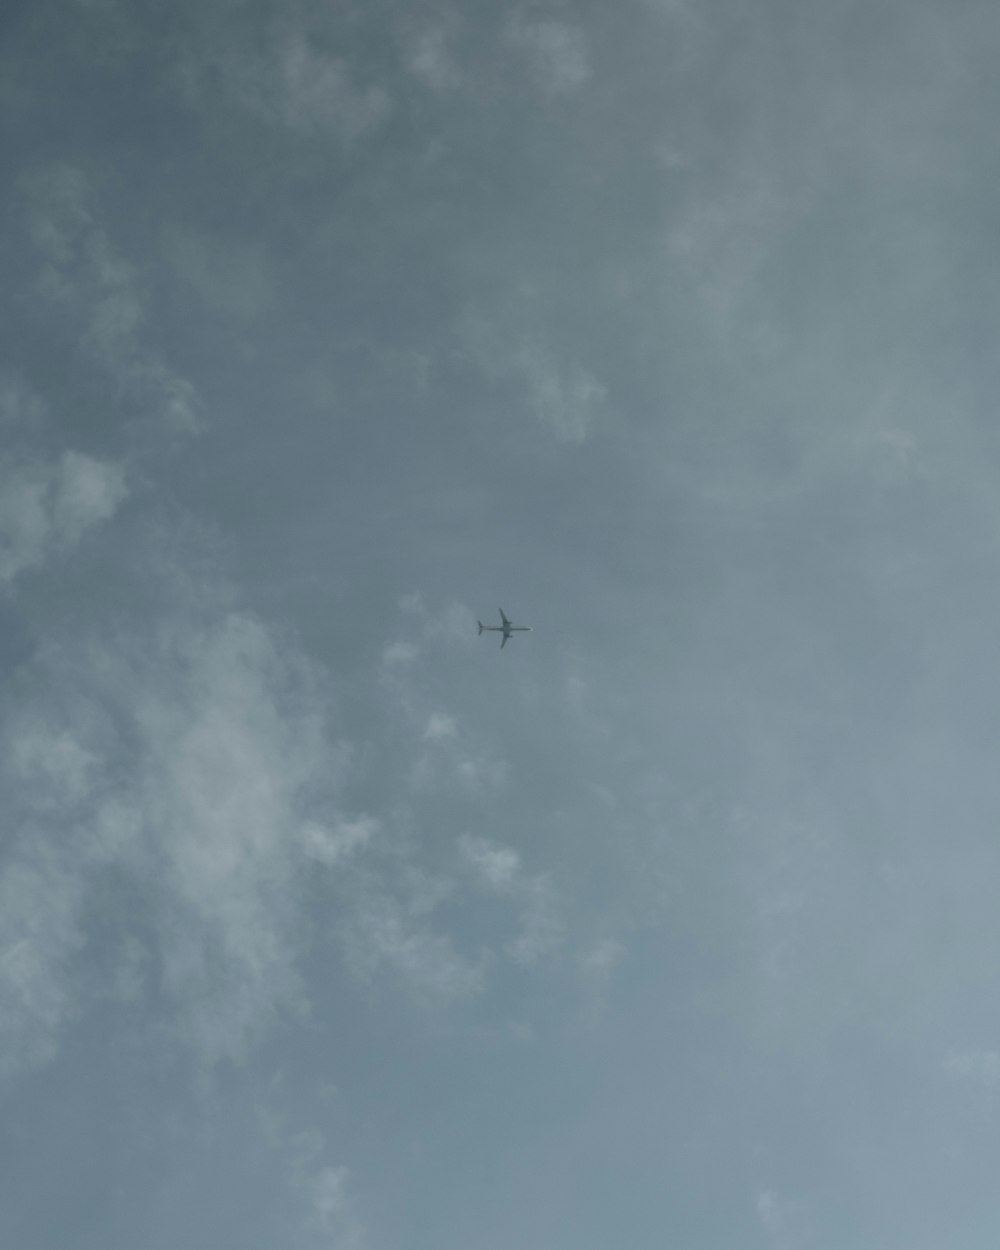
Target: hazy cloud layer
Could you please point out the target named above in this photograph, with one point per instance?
(330, 329)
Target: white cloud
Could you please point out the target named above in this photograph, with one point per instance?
(429, 59)
(784, 1221)
(686, 18)
(498, 869)
(20, 409)
(479, 773)
(599, 962)
(229, 276)
(454, 622)
(117, 304)
(25, 520)
(47, 507)
(540, 932)
(130, 975)
(316, 91)
(567, 399)
(220, 788)
(51, 763)
(319, 1188)
(331, 844)
(331, 1205)
(399, 653)
(596, 966)
(60, 204)
(189, 761)
(723, 239)
(87, 492)
(444, 760)
(556, 52)
(181, 762)
(440, 725)
(453, 625)
(290, 79)
(39, 936)
(385, 932)
(324, 1188)
(180, 404)
(497, 866)
(900, 442)
(83, 272)
(977, 1067)
(447, 766)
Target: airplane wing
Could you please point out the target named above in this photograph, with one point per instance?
(503, 617)
(503, 641)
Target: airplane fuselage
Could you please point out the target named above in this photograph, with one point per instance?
(506, 628)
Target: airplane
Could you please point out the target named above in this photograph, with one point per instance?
(506, 628)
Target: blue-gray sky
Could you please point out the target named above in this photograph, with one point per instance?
(669, 325)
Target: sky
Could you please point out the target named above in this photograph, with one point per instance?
(669, 326)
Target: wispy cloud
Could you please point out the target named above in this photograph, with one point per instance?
(556, 52)
(192, 761)
(599, 962)
(325, 1191)
(46, 507)
(453, 625)
(291, 74)
(723, 239)
(230, 277)
(784, 1221)
(329, 844)
(395, 933)
(52, 765)
(40, 905)
(329, 1192)
(976, 1067)
(444, 755)
(322, 1206)
(399, 653)
(21, 410)
(84, 273)
(566, 400)
(564, 396)
(440, 725)
(496, 868)
(221, 787)
(317, 91)
(450, 759)
(429, 58)
(181, 761)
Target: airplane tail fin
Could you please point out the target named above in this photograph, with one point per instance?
(480, 624)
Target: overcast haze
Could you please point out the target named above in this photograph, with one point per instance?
(669, 326)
